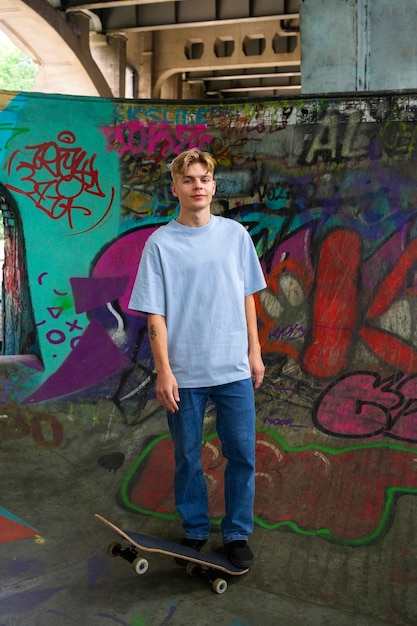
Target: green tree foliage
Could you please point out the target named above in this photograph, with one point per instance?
(17, 71)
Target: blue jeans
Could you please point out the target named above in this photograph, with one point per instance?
(235, 426)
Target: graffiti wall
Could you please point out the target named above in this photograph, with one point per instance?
(327, 188)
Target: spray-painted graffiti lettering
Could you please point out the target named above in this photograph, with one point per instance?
(278, 421)
(45, 429)
(296, 487)
(363, 404)
(335, 141)
(158, 140)
(58, 336)
(337, 138)
(336, 324)
(60, 179)
(291, 332)
(335, 309)
(399, 138)
(173, 115)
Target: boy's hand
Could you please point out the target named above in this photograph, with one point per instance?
(167, 391)
(257, 369)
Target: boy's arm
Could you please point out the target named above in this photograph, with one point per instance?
(256, 364)
(166, 384)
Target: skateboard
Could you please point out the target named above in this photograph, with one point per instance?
(208, 566)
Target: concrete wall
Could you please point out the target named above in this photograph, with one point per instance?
(358, 45)
(327, 189)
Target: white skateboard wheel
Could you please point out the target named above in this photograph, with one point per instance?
(219, 585)
(140, 566)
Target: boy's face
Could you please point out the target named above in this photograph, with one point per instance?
(194, 190)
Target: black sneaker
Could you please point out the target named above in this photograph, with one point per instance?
(195, 544)
(239, 553)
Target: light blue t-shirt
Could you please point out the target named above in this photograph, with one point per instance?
(197, 278)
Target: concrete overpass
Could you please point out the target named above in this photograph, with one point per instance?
(177, 49)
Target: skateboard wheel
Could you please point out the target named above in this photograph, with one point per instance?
(113, 548)
(140, 566)
(219, 585)
(192, 569)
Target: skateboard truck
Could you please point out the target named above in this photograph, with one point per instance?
(219, 585)
(139, 564)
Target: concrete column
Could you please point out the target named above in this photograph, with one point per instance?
(140, 58)
(171, 88)
(193, 91)
(109, 52)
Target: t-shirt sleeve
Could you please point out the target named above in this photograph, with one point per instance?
(254, 276)
(148, 293)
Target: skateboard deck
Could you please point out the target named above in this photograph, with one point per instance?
(207, 565)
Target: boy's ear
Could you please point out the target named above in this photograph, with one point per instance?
(174, 190)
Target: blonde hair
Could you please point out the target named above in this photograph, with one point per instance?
(182, 162)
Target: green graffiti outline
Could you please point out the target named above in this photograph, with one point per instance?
(391, 493)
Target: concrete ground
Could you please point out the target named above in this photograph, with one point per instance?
(54, 569)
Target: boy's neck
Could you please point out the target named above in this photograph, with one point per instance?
(194, 220)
